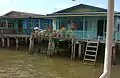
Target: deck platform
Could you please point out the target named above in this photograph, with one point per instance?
(51, 44)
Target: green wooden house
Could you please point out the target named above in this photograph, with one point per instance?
(16, 22)
(90, 21)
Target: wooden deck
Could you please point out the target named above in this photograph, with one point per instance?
(51, 44)
(28, 36)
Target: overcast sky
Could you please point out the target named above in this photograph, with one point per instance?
(48, 6)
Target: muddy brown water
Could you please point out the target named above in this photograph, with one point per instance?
(19, 64)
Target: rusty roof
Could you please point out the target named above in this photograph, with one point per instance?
(16, 14)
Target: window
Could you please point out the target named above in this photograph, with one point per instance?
(45, 26)
(63, 24)
(31, 24)
(105, 25)
(82, 25)
(11, 24)
(36, 22)
(86, 25)
(118, 27)
(79, 25)
(37, 25)
(2, 23)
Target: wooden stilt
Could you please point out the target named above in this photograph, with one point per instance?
(39, 45)
(31, 45)
(57, 50)
(3, 42)
(0, 41)
(17, 44)
(13, 41)
(114, 54)
(49, 47)
(72, 52)
(8, 42)
(22, 41)
(26, 41)
(80, 50)
(53, 47)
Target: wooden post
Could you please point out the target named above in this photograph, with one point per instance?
(56, 49)
(26, 41)
(8, 42)
(3, 42)
(0, 41)
(31, 45)
(17, 43)
(53, 46)
(39, 46)
(49, 47)
(22, 41)
(114, 54)
(80, 50)
(72, 52)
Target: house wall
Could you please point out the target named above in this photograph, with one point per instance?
(43, 24)
(23, 27)
(39, 22)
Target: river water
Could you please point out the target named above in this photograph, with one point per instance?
(19, 64)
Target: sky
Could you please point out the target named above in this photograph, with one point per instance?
(48, 6)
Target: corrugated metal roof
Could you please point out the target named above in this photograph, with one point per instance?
(16, 14)
(82, 5)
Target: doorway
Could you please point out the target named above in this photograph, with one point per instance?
(20, 25)
(100, 24)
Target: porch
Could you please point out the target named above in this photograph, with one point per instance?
(87, 27)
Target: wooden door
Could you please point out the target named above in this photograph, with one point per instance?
(20, 25)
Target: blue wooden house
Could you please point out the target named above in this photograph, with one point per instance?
(90, 21)
(22, 23)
